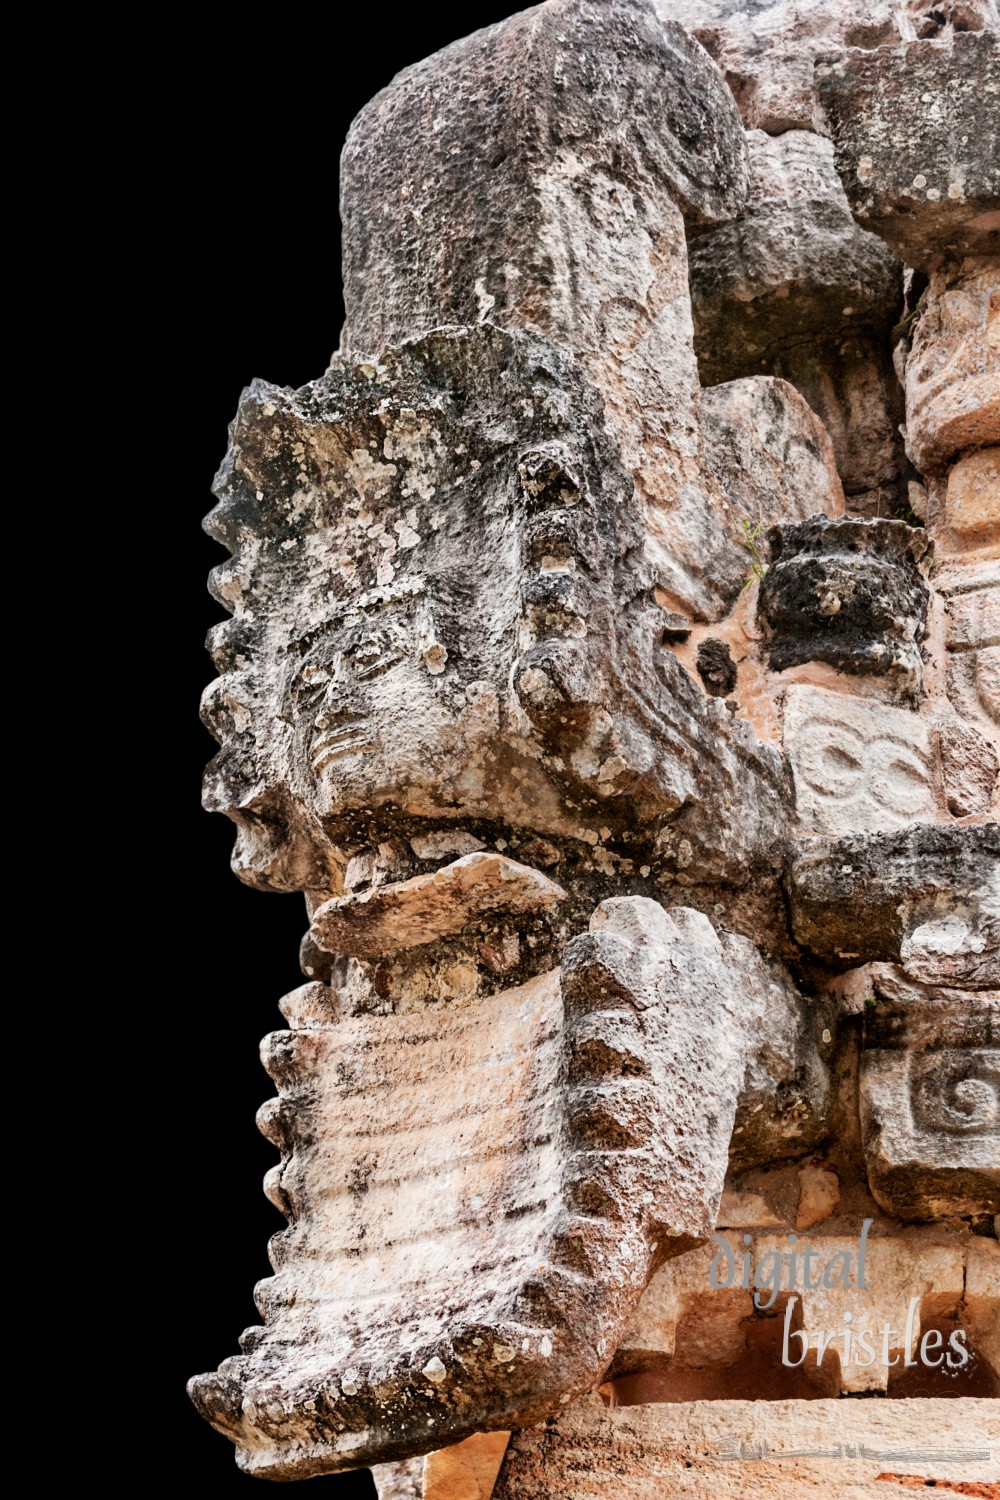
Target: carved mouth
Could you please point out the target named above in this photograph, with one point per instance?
(345, 739)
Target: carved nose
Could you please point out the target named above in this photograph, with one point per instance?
(338, 708)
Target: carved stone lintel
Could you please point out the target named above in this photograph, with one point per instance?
(704, 1450)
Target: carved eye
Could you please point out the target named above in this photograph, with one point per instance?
(311, 686)
(373, 654)
(898, 781)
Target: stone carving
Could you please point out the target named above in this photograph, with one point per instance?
(577, 1127)
(689, 1335)
(636, 756)
(609, 286)
(556, 691)
(848, 593)
(930, 1105)
(857, 763)
(971, 595)
(953, 367)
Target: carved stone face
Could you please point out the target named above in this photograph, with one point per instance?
(442, 614)
(377, 702)
(390, 572)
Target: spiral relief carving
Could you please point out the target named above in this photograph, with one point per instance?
(957, 1092)
(930, 1104)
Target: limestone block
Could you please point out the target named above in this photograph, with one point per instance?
(924, 895)
(768, 451)
(399, 1481)
(927, 180)
(972, 501)
(793, 288)
(858, 764)
(847, 592)
(466, 1471)
(819, 1194)
(682, 1323)
(969, 766)
(897, 1270)
(781, 1450)
(953, 375)
(982, 1298)
(792, 265)
(930, 1105)
(767, 51)
(784, 1102)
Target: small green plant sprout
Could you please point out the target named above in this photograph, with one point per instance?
(758, 567)
(907, 514)
(870, 1002)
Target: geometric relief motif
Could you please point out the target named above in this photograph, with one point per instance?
(930, 1104)
(858, 764)
(973, 612)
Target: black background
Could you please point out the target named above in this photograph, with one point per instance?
(242, 198)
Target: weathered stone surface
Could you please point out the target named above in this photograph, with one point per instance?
(538, 172)
(400, 1481)
(504, 695)
(793, 288)
(982, 1299)
(930, 18)
(931, 891)
(685, 1449)
(972, 607)
(927, 180)
(819, 1194)
(467, 1471)
(953, 366)
(767, 49)
(930, 1105)
(969, 767)
(474, 889)
(784, 1104)
(858, 764)
(378, 681)
(445, 1276)
(847, 592)
(745, 1211)
(768, 450)
(701, 1326)
(972, 499)
(792, 265)
(897, 1270)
